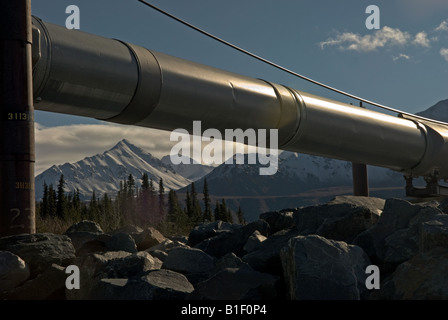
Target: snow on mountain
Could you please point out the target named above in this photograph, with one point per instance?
(300, 180)
(296, 173)
(103, 172)
(189, 168)
(439, 111)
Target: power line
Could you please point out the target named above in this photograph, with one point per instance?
(275, 65)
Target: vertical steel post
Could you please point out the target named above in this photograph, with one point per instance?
(360, 178)
(17, 199)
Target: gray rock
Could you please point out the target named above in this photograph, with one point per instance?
(278, 220)
(148, 238)
(422, 277)
(162, 249)
(164, 285)
(130, 266)
(111, 265)
(237, 284)
(154, 285)
(337, 220)
(85, 226)
(189, 260)
(267, 257)
(48, 285)
(230, 260)
(316, 268)
(397, 235)
(40, 250)
(86, 242)
(13, 271)
(121, 242)
(434, 233)
(159, 254)
(208, 230)
(376, 205)
(254, 241)
(92, 269)
(232, 241)
(111, 289)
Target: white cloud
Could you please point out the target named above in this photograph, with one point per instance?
(443, 26)
(421, 39)
(444, 53)
(386, 36)
(401, 56)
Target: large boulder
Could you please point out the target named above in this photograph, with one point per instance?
(48, 285)
(13, 271)
(341, 219)
(254, 241)
(121, 242)
(87, 237)
(316, 268)
(162, 249)
(110, 265)
(278, 220)
(267, 257)
(422, 277)
(85, 226)
(154, 285)
(230, 260)
(208, 230)
(40, 250)
(148, 238)
(189, 260)
(397, 236)
(434, 233)
(232, 241)
(237, 284)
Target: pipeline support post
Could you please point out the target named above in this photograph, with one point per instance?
(17, 155)
(360, 177)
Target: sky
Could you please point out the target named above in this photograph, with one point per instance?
(403, 64)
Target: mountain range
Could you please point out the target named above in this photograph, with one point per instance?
(300, 180)
(103, 172)
(439, 111)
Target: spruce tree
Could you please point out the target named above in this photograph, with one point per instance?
(161, 201)
(240, 215)
(52, 201)
(61, 206)
(188, 205)
(130, 200)
(218, 211)
(143, 203)
(195, 206)
(207, 201)
(94, 212)
(44, 206)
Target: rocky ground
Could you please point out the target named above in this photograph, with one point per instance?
(312, 253)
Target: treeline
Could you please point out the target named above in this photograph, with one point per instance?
(144, 206)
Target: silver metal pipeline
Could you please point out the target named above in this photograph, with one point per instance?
(87, 75)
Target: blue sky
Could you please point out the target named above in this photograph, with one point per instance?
(404, 64)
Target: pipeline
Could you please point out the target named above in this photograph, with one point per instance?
(87, 75)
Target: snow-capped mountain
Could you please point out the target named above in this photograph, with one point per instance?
(189, 168)
(300, 180)
(103, 172)
(439, 111)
